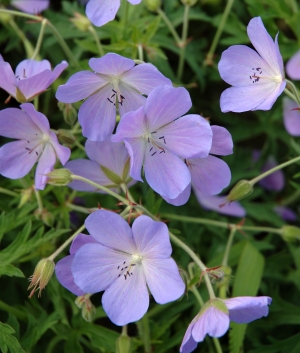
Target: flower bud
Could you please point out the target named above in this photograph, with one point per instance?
(189, 2)
(59, 177)
(290, 233)
(88, 310)
(5, 17)
(47, 218)
(81, 22)
(25, 196)
(69, 112)
(41, 276)
(153, 5)
(65, 136)
(123, 344)
(20, 96)
(241, 190)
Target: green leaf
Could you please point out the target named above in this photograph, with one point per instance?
(10, 270)
(9, 343)
(246, 283)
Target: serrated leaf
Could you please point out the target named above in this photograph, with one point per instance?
(8, 342)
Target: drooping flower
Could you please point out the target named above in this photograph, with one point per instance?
(31, 78)
(291, 116)
(108, 166)
(219, 204)
(257, 77)
(124, 263)
(293, 66)
(31, 6)
(99, 12)
(36, 143)
(115, 85)
(157, 140)
(215, 316)
(209, 175)
(274, 181)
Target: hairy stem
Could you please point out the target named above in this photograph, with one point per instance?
(183, 41)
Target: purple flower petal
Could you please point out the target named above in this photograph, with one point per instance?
(96, 117)
(134, 2)
(151, 238)
(293, 66)
(181, 199)
(45, 165)
(99, 12)
(213, 203)
(195, 142)
(264, 44)
(236, 99)
(111, 64)
(165, 104)
(63, 153)
(166, 173)
(127, 300)
(31, 6)
(132, 100)
(188, 343)
(15, 160)
(81, 240)
(65, 277)
(136, 149)
(243, 310)
(286, 213)
(145, 77)
(158, 273)
(291, 118)
(222, 143)
(212, 322)
(87, 169)
(80, 86)
(114, 232)
(29, 67)
(7, 78)
(95, 267)
(274, 181)
(39, 119)
(35, 85)
(210, 175)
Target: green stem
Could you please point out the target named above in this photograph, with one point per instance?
(27, 45)
(140, 53)
(198, 296)
(210, 54)
(145, 328)
(124, 330)
(65, 244)
(12, 310)
(40, 39)
(97, 40)
(217, 345)
(39, 200)
(36, 102)
(124, 18)
(295, 93)
(290, 94)
(183, 41)
(169, 25)
(270, 171)
(220, 224)
(8, 192)
(80, 208)
(22, 14)
(228, 246)
(290, 199)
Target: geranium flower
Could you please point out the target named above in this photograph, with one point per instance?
(156, 139)
(124, 263)
(257, 77)
(215, 316)
(108, 166)
(209, 175)
(36, 143)
(291, 116)
(31, 78)
(31, 6)
(116, 84)
(293, 66)
(99, 12)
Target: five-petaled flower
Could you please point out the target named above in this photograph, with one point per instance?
(115, 84)
(257, 77)
(108, 166)
(31, 79)
(158, 140)
(36, 143)
(215, 316)
(123, 262)
(99, 12)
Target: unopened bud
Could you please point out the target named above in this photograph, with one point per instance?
(65, 136)
(25, 196)
(189, 2)
(81, 22)
(69, 112)
(88, 310)
(20, 96)
(5, 17)
(47, 218)
(290, 233)
(41, 276)
(241, 190)
(153, 5)
(123, 344)
(59, 177)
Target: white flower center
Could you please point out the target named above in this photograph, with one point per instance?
(127, 268)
